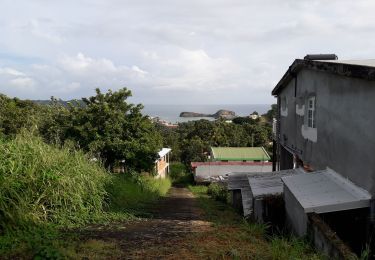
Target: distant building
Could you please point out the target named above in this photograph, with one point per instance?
(325, 124)
(254, 116)
(160, 121)
(162, 163)
(228, 154)
(205, 172)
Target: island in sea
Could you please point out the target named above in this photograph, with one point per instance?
(222, 113)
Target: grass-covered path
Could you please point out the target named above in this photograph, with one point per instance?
(189, 225)
(174, 219)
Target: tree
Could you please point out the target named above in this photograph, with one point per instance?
(272, 113)
(113, 129)
(16, 114)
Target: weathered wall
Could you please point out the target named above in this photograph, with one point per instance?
(296, 219)
(345, 124)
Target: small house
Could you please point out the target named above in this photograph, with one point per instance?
(162, 163)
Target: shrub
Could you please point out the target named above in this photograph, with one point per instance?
(180, 175)
(218, 191)
(134, 194)
(39, 183)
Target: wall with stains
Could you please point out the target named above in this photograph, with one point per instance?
(344, 138)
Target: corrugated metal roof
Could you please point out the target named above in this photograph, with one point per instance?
(240, 153)
(326, 191)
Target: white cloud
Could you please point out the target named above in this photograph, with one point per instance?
(24, 83)
(11, 72)
(45, 32)
(212, 51)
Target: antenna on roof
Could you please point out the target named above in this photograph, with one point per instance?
(320, 57)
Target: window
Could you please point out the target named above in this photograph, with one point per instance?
(311, 113)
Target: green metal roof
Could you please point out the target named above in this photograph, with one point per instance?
(239, 154)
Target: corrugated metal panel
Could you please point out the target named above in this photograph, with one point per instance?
(326, 191)
(240, 153)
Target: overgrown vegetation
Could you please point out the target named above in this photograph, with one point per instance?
(136, 194)
(46, 189)
(180, 174)
(104, 125)
(218, 192)
(237, 238)
(54, 169)
(41, 183)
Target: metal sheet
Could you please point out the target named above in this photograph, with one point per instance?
(265, 184)
(270, 184)
(326, 191)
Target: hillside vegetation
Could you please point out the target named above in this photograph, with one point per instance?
(46, 189)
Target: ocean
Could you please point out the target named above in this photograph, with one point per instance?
(170, 113)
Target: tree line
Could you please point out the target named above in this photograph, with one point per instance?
(104, 125)
(115, 131)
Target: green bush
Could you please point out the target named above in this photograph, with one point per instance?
(180, 175)
(218, 191)
(41, 183)
(134, 194)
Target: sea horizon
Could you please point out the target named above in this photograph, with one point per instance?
(171, 113)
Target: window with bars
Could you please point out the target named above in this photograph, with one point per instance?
(311, 112)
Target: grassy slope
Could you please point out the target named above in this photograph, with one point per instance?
(45, 190)
(233, 237)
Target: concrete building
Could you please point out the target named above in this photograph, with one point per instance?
(206, 172)
(325, 124)
(162, 163)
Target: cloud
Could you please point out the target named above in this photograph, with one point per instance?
(11, 72)
(212, 51)
(23, 83)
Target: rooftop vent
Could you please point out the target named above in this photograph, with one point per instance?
(321, 57)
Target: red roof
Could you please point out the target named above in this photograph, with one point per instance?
(195, 164)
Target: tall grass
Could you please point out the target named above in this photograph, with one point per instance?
(45, 189)
(41, 183)
(129, 194)
(180, 175)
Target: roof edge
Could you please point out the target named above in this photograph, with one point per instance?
(337, 67)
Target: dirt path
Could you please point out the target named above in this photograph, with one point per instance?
(175, 217)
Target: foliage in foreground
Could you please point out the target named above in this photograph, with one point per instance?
(41, 183)
(44, 190)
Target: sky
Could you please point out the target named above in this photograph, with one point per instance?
(172, 51)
